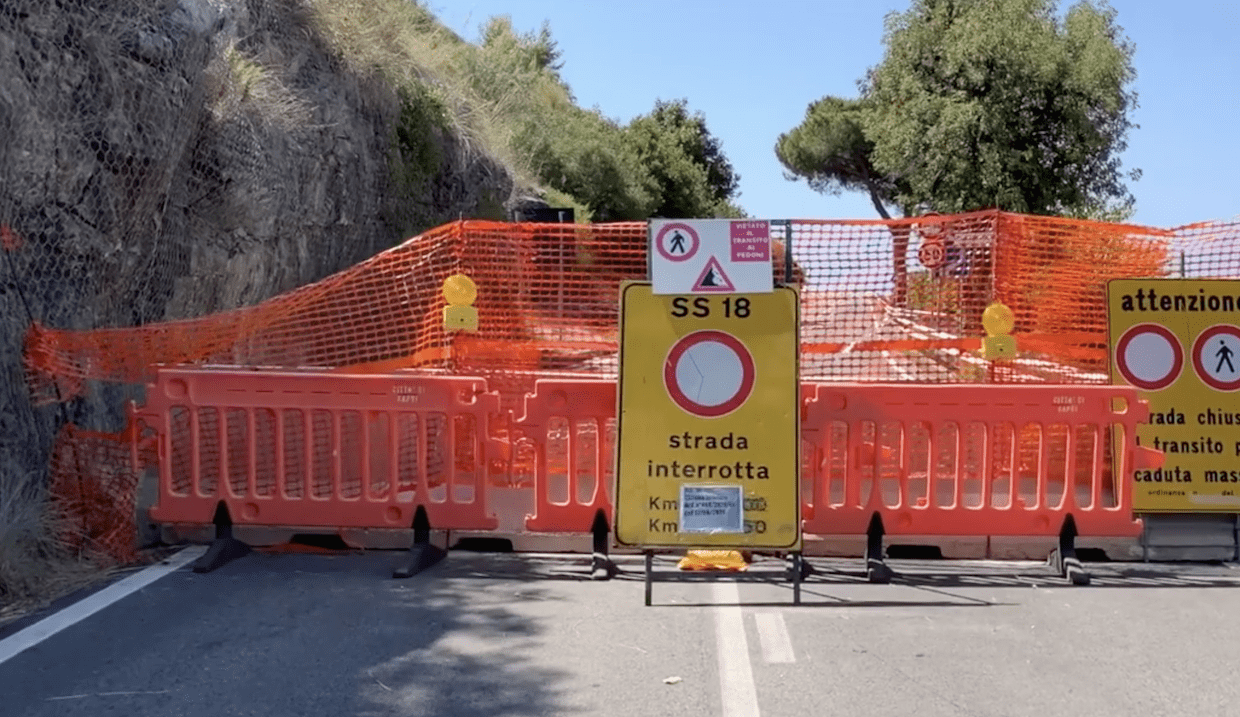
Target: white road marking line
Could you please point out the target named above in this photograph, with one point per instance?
(18, 642)
(740, 698)
(773, 637)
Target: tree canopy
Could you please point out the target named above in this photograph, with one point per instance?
(981, 104)
(690, 175)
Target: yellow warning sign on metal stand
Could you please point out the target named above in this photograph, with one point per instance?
(709, 434)
(1178, 341)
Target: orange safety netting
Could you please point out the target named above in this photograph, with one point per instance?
(95, 489)
(893, 300)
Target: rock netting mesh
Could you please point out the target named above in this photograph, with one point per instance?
(168, 159)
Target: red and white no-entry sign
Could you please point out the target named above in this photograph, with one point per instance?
(1216, 357)
(1149, 356)
(709, 373)
(677, 242)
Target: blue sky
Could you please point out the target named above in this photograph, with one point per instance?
(751, 67)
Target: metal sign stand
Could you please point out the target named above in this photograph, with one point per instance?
(797, 569)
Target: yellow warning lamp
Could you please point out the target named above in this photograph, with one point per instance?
(999, 344)
(460, 315)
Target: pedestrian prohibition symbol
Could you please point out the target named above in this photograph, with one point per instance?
(677, 242)
(1216, 357)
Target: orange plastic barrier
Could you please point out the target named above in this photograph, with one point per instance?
(328, 449)
(972, 460)
(318, 448)
(572, 424)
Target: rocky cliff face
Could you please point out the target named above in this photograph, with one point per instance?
(163, 159)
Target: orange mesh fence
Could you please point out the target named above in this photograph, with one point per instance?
(890, 301)
(893, 300)
(1208, 250)
(902, 300)
(373, 312)
(1054, 272)
(94, 488)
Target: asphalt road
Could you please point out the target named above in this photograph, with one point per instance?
(489, 634)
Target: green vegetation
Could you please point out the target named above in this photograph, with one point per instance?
(416, 155)
(505, 97)
(981, 104)
(692, 177)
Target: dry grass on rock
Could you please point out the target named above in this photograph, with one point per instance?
(35, 566)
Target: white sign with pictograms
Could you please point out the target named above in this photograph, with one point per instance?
(711, 256)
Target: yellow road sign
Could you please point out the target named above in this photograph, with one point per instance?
(709, 434)
(1178, 340)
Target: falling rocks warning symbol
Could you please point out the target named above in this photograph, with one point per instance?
(713, 278)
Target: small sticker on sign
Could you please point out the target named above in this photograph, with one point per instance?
(711, 509)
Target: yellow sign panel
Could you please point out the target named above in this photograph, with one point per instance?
(709, 435)
(1178, 340)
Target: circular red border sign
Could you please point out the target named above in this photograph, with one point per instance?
(1199, 344)
(689, 405)
(693, 247)
(932, 253)
(1121, 348)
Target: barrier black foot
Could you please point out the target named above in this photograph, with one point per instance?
(602, 567)
(1063, 559)
(420, 557)
(876, 571)
(1069, 567)
(221, 552)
